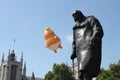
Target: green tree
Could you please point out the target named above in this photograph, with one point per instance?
(113, 73)
(59, 72)
(49, 76)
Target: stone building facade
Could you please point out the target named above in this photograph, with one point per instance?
(11, 69)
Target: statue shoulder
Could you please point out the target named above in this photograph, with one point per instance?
(92, 19)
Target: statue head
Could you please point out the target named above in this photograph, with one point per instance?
(78, 15)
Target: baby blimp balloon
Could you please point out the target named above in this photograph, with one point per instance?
(52, 41)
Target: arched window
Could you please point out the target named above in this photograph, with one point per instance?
(13, 72)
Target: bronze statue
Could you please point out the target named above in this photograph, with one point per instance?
(87, 43)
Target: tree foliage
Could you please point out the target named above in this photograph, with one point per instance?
(113, 73)
(59, 72)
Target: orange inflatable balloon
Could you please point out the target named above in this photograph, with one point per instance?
(52, 41)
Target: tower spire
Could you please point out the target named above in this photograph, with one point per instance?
(3, 58)
(24, 69)
(22, 57)
(33, 76)
(14, 43)
(9, 55)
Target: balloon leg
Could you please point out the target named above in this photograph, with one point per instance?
(60, 46)
(55, 51)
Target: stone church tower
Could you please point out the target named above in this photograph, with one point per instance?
(11, 69)
(33, 76)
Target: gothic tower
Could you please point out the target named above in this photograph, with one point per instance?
(24, 72)
(33, 76)
(11, 69)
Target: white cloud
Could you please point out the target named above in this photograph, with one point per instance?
(70, 38)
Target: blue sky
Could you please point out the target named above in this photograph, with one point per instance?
(26, 20)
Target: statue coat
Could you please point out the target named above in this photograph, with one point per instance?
(87, 41)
